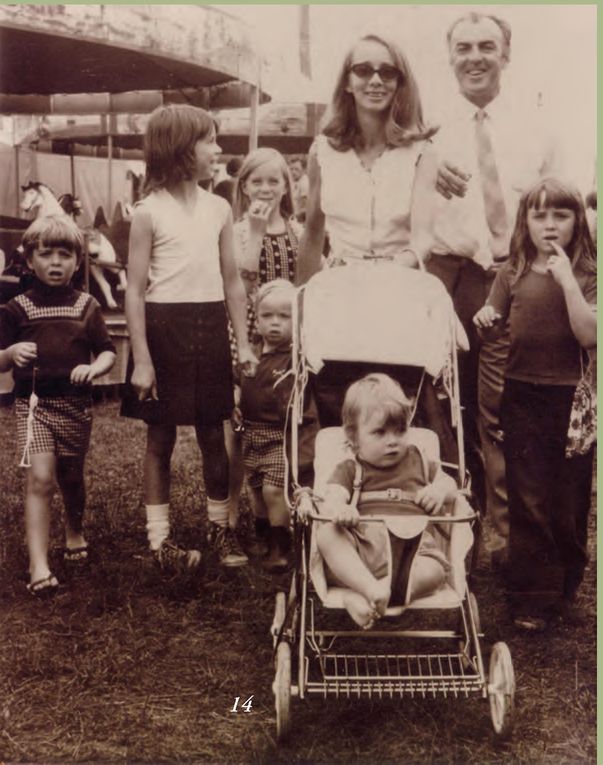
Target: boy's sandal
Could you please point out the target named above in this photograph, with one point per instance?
(43, 588)
(531, 623)
(76, 554)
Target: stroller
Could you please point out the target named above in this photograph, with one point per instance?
(382, 316)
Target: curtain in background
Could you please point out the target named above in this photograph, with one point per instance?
(54, 170)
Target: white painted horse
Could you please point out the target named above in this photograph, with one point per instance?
(40, 200)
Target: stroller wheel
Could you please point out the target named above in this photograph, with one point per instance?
(501, 690)
(282, 690)
(280, 610)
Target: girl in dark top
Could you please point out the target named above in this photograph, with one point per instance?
(547, 292)
(48, 335)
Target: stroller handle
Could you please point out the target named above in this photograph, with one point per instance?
(429, 518)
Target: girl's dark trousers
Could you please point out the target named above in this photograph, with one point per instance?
(549, 495)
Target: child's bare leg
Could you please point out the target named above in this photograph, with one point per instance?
(70, 477)
(261, 524)
(427, 576)
(216, 478)
(215, 460)
(258, 506)
(343, 560)
(156, 481)
(236, 470)
(39, 491)
(156, 470)
(274, 500)
(280, 535)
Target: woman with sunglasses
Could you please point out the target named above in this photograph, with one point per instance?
(362, 167)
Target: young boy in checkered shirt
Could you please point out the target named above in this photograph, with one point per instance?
(48, 335)
(263, 406)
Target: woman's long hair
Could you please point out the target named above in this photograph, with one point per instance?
(546, 194)
(404, 123)
(169, 144)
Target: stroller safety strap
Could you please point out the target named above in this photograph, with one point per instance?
(389, 495)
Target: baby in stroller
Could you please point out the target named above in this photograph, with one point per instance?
(389, 477)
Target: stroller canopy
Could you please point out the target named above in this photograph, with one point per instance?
(377, 313)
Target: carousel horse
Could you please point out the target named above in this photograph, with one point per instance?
(137, 183)
(40, 200)
(71, 205)
(99, 231)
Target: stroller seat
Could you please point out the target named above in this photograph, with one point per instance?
(330, 449)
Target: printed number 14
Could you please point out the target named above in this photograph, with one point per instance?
(246, 705)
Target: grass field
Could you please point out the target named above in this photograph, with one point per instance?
(124, 665)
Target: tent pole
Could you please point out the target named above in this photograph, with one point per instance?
(17, 186)
(254, 117)
(110, 172)
(86, 262)
(72, 168)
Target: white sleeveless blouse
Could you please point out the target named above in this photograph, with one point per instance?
(367, 212)
(185, 257)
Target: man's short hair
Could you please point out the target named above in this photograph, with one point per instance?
(475, 17)
(300, 159)
(233, 166)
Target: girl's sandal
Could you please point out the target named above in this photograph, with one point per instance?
(76, 554)
(43, 588)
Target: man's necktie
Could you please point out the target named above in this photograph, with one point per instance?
(494, 203)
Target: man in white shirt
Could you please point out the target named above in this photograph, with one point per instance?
(297, 168)
(492, 148)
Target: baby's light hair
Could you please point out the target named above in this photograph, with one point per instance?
(376, 392)
(252, 161)
(53, 231)
(276, 285)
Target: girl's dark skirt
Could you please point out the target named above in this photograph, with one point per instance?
(188, 343)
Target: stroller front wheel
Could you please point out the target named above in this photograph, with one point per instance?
(280, 611)
(282, 690)
(501, 690)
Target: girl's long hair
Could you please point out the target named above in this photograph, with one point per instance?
(404, 122)
(251, 162)
(169, 144)
(546, 194)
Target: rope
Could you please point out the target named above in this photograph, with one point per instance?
(33, 403)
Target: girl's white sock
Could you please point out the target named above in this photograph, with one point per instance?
(217, 511)
(158, 524)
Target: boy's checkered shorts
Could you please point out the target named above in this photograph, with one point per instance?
(263, 455)
(61, 426)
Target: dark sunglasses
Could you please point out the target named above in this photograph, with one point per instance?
(386, 72)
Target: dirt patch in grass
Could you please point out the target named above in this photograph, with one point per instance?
(124, 665)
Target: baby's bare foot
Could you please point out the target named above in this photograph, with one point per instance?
(359, 609)
(379, 596)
